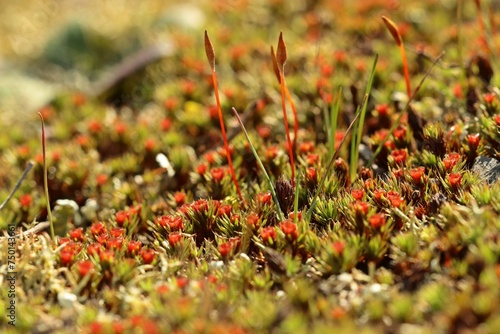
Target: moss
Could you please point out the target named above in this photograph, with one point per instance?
(157, 238)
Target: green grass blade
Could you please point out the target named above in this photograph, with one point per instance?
(359, 127)
(261, 165)
(296, 199)
(328, 126)
(17, 185)
(328, 169)
(396, 123)
(334, 116)
(352, 149)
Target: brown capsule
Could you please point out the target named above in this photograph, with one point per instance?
(281, 53)
(209, 50)
(285, 194)
(393, 29)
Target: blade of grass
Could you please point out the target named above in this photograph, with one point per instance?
(261, 165)
(353, 166)
(328, 168)
(17, 185)
(46, 182)
(352, 150)
(396, 123)
(296, 200)
(209, 49)
(334, 116)
(328, 127)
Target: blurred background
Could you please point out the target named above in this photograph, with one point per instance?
(54, 45)
(51, 47)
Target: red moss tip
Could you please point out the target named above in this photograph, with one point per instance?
(290, 229)
(455, 179)
(174, 238)
(377, 220)
(473, 140)
(134, 247)
(360, 208)
(85, 267)
(253, 221)
(225, 249)
(148, 255)
(264, 198)
(268, 235)
(417, 174)
(338, 246)
(451, 160)
(174, 223)
(217, 174)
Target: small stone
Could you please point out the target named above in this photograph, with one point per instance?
(89, 210)
(365, 152)
(163, 161)
(487, 168)
(245, 256)
(216, 264)
(66, 299)
(69, 203)
(375, 288)
(345, 277)
(139, 179)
